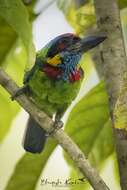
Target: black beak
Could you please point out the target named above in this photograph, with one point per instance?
(91, 42)
(87, 43)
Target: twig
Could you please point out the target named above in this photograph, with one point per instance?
(114, 62)
(45, 7)
(62, 138)
(80, 3)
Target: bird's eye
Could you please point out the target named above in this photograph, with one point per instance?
(61, 45)
(64, 41)
(75, 39)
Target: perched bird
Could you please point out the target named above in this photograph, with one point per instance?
(54, 82)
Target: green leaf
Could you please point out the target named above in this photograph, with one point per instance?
(82, 18)
(90, 127)
(16, 15)
(124, 26)
(116, 168)
(30, 5)
(7, 39)
(13, 23)
(15, 62)
(75, 175)
(9, 109)
(29, 168)
(103, 145)
(80, 3)
(122, 3)
(81, 14)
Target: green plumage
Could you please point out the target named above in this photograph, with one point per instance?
(50, 95)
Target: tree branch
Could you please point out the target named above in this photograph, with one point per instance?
(114, 61)
(45, 7)
(62, 138)
(95, 54)
(80, 3)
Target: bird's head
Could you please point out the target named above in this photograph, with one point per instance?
(65, 51)
(71, 43)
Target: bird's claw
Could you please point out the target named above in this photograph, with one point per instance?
(57, 125)
(16, 94)
(19, 92)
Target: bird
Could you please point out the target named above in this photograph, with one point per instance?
(54, 82)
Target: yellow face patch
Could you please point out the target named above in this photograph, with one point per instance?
(54, 61)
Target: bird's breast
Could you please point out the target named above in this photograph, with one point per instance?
(52, 72)
(56, 73)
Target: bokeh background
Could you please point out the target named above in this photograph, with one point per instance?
(18, 170)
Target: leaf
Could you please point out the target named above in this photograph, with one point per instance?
(81, 18)
(80, 3)
(12, 57)
(90, 127)
(16, 15)
(7, 39)
(81, 14)
(29, 168)
(75, 175)
(124, 26)
(30, 6)
(116, 168)
(64, 6)
(122, 3)
(9, 109)
(100, 151)
(103, 145)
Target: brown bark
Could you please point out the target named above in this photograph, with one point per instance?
(114, 62)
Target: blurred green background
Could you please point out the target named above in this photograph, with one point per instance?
(22, 24)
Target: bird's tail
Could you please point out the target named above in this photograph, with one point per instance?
(34, 137)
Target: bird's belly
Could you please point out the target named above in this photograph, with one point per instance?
(52, 95)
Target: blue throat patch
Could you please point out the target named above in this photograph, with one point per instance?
(69, 64)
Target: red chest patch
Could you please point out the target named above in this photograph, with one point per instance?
(75, 76)
(52, 72)
(56, 73)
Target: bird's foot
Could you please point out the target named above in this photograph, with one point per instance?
(19, 92)
(57, 125)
